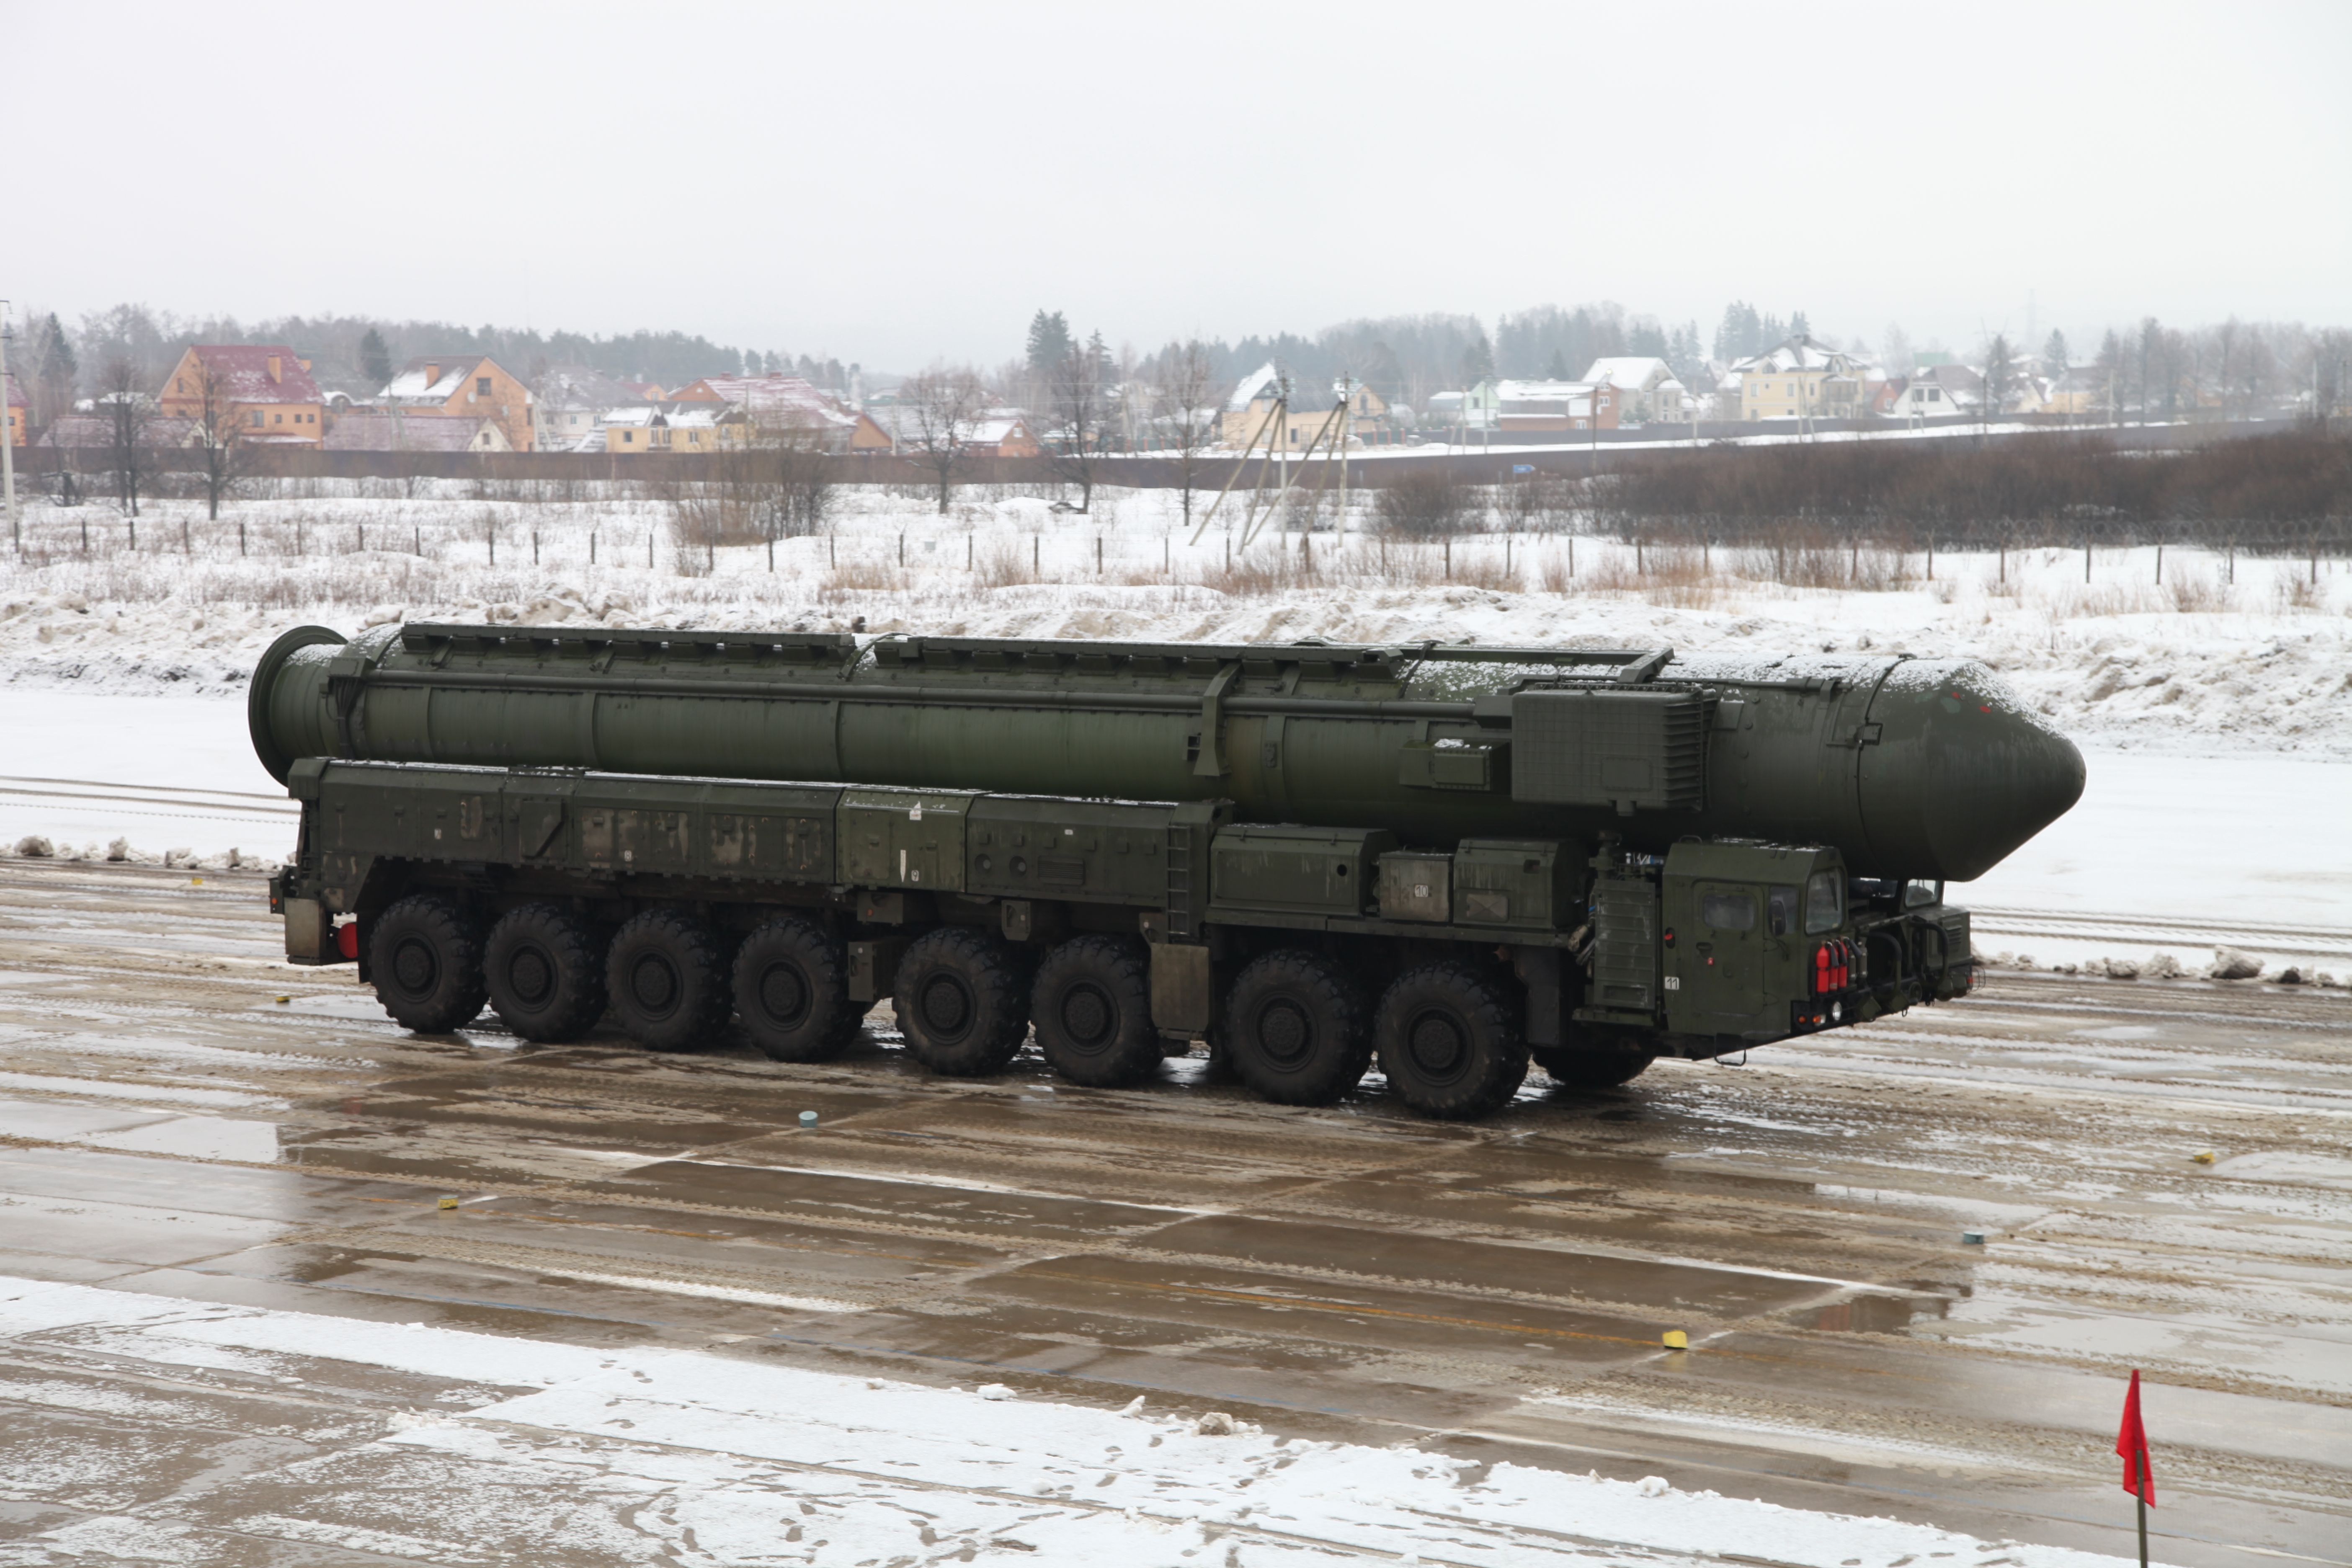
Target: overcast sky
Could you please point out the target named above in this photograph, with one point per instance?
(892, 183)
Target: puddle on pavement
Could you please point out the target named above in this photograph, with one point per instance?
(1877, 1314)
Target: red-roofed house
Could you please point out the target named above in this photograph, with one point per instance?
(17, 410)
(266, 386)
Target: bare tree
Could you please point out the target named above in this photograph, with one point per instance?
(122, 395)
(1081, 399)
(219, 437)
(1193, 395)
(935, 414)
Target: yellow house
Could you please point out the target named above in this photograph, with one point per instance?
(17, 409)
(1801, 378)
(265, 389)
(1304, 417)
(701, 429)
(463, 385)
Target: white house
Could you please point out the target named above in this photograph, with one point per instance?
(1642, 383)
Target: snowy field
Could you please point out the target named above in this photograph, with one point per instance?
(2212, 692)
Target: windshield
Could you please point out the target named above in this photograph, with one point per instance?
(1824, 903)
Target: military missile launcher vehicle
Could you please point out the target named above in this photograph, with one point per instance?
(1452, 860)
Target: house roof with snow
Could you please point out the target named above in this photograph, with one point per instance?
(584, 387)
(244, 371)
(1264, 384)
(391, 430)
(434, 378)
(1798, 352)
(778, 402)
(1539, 396)
(1635, 373)
(87, 430)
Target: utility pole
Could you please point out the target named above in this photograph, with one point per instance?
(8, 438)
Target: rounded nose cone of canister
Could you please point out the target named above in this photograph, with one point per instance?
(1961, 773)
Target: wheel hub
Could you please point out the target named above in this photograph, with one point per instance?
(1437, 1044)
(532, 976)
(654, 984)
(946, 1005)
(1284, 1032)
(414, 965)
(784, 993)
(1087, 1016)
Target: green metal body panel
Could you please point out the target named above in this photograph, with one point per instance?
(1739, 958)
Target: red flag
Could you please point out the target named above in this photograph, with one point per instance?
(2131, 1442)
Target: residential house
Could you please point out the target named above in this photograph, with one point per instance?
(266, 387)
(1647, 389)
(1940, 391)
(1542, 406)
(460, 385)
(1801, 378)
(568, 403)
(395, 429)
(18, 411)
(788, 406)
(995, 433)
(1305, 417)
(700, 429)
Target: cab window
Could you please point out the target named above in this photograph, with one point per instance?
(1727, 912)
(1780, 911)
(1921, 895)
(1824, 903)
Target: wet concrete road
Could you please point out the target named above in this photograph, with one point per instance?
(169, 1127)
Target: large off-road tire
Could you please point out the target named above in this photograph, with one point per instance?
(1295, 1028)
(1092, 1008)
(1596, 1065)
(545, 971)
(425, 954)
(961, 1002)
(1451, 1041)
(667, 978)
(792, 991)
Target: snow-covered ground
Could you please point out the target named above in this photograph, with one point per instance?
(731, 1459)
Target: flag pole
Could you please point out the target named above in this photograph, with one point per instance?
(2143, 1532)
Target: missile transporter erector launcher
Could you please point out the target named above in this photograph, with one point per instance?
(1450, 857)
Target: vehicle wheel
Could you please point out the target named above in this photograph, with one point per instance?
(960, 1003)
(1092, 1004)
(667, 979)
(1452, 1042)
(425, 956)
(792, 991)
(1296, 1028)
(545, 970)
(1592, 1066)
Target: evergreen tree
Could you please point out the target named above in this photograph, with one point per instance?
(1478, 361)
(1558, 369)
(1799, 326)
(375, 359)
(1049, 343)
(2054, 354)
(1647, 339)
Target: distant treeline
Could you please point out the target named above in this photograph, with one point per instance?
(2291, 485)
(341, 351)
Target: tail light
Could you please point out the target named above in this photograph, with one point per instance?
(347, 939)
